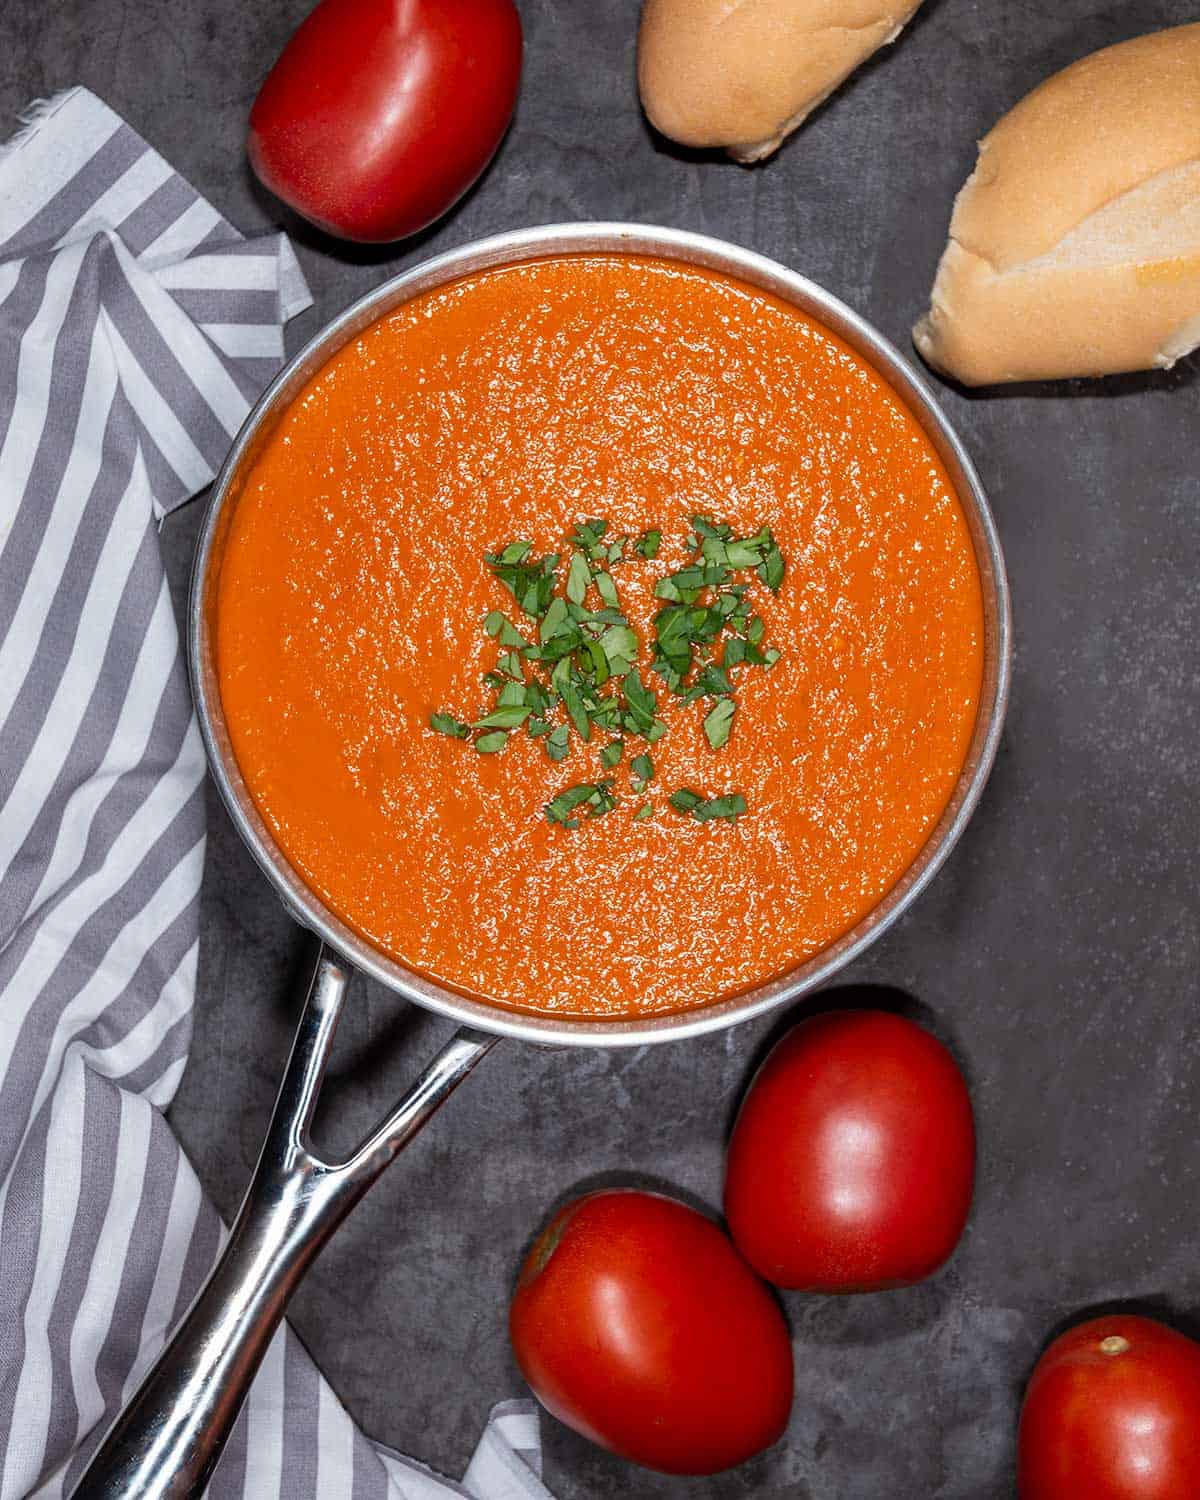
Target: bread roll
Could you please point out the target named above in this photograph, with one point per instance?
(744, 73)
(1075, 244)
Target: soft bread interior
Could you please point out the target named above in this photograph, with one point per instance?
(1150, 225)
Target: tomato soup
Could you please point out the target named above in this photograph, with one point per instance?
(357, 608)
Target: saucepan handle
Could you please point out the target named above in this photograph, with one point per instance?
(168, 1438)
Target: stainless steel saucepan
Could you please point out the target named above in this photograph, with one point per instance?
(171, 1434)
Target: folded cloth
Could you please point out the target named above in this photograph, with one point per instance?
(136, 329)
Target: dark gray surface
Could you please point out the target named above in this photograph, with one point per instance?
(1057, 951)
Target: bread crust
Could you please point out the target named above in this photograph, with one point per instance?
(1074, 245)
(743, 74)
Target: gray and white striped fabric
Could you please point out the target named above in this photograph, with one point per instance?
(136, 327)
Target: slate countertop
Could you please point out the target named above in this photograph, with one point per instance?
(1058, 950)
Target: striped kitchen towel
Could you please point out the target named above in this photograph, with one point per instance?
(136, 328)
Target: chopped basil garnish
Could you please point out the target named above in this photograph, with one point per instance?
(619, 646)
(594, 798)
(579, 576)
(507, 717)
(718, 722)
(511, 636)
(581, 669)
(586, 537)
(607, 589)
(704, 810)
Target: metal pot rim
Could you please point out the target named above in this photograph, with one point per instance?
(744, 265)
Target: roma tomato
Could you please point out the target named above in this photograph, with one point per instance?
(379, 114)
(1112, 1412)
(637, 1323)
(852, 1161)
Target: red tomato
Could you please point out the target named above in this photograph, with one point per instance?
(853, 1158)
(379, 114)
(1112, 1412)
(637, 1323)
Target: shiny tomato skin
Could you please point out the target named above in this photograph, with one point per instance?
(1112, 1412)
(852, 1161)
(380, 114)
(637, 1323)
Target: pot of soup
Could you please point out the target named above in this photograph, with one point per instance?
(599, 637)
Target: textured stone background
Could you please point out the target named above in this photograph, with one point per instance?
(1057, 952)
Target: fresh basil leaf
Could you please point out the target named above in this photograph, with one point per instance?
(601, 670)
(558, 743)
(642, 767)
(587, 535)
(554, 621)
(738, 651)
(730, 808)
(576, 711)
(640, 702)
(515, 552)
(645, 811)
(565, 642)
(579, 575)
(605, 711)
(718, 722)
(705, 810)
(511, 636)
(595, 798)
(502, 718)
(772, 567)
(611, 754)
(620, 647)
(607, 589)
(648, 543)
(488, 744)
(448, 724)
(713, 682)
(747, 554)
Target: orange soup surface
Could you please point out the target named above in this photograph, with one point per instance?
(513, 405)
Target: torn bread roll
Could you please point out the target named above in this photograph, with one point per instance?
(743, 74)
(1075, 244)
